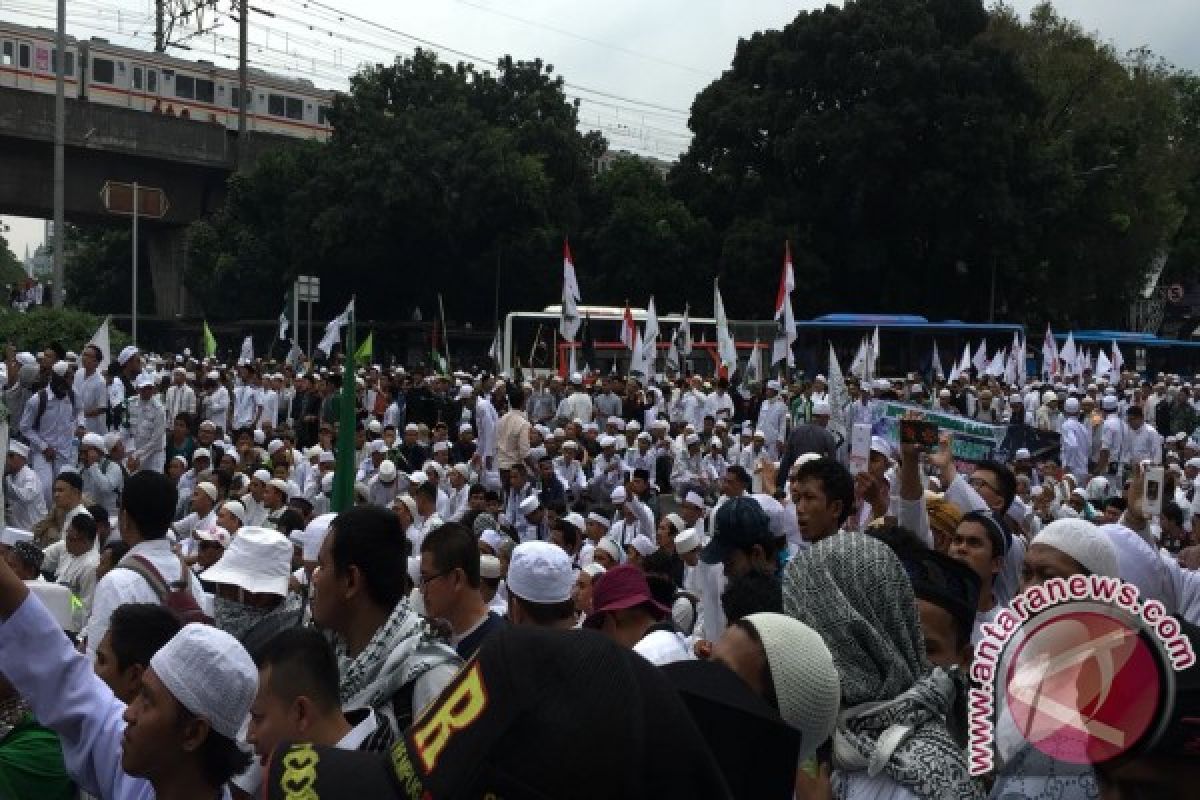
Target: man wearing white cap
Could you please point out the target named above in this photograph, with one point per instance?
(383, 487)
(540, 580)
(1114, 454)
(146, 428)
(569, 471)
(102, 477)
(178, 740)
(772, 419)
(688, 470)
(91, 392)
(180, 398)
(632, 517)
(216, 401)
(202, 516)
(23, 489)
(1076, 439)
(577, 404)
(49, 422)
(248, 400)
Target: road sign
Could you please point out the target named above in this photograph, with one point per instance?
(308, 288)
(118, 199)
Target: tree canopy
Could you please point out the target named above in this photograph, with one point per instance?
(914, 153)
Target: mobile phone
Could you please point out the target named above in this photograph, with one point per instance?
(919, 432)
(1152, 501)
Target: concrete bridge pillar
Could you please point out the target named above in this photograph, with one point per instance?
(166, 255)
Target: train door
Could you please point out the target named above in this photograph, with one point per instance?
(16, 61)
(144, 84)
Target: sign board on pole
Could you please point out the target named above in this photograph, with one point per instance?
(118, 199)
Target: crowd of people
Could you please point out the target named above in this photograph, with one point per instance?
(568, 587)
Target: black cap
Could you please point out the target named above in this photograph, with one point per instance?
(944, 581)
(740, 524)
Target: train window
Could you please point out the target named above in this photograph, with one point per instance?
(235, 98)
(323, 113)
(295, 108)
(137, 78)
(152, 81)
(185, 86)
(205, 91)
(102, 70)
(70, 63)
(8, 54)
(275, 105)
(23, 56)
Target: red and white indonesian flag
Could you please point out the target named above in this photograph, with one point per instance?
(568, 324)
(785, 322)
(629, 334)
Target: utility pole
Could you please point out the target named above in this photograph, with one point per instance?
(160, 39)
(60, 135)
(243, 94)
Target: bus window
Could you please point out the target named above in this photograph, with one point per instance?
(295, 108)
(205, 91)
(102, 70)
(275, 105)
(185, 86)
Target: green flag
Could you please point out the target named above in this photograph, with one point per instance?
(344, 466)
(210, 342)
(367, 350)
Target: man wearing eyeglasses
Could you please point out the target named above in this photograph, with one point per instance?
(450, 587)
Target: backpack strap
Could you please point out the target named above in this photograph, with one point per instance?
(142, 566)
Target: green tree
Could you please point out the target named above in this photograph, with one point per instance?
(639, 241)
(11, 271)
(434, 175)
(96, 270)
(1116, 139)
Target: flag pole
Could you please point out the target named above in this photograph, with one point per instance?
(445, 333)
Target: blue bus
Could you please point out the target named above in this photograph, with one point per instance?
(905, 341)
(1146, 353)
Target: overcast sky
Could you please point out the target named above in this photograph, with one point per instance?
(652, 56)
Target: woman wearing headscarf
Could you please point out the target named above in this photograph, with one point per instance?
(891, 739)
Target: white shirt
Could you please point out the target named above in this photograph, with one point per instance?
(417, 532)
(180, 399)
(1113, 436)
(103, 482)
(78, 573)
(247, 402)
(1144, 444)
(216, 407)
(91, 393)
(1076, 446)
(147, 427)
(26, 500)
(121, 586)
(57, 426)
(664, 647)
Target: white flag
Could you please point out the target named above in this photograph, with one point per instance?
(637, 356)
(858, 365)
(839, 397)
(247, 355)
(996, 367)
(954, 372)
(754, 368)
(1103, 365)
(650, 336)
(497, 353)
(726, 349)
(936, 364)
(1050, 368)
(1118, 361)
(673, 353)
(284, 324)
(569, 324)
(980, 361)
(964, 364)
(333, 331)
(1069, 355)
(101, 341)
(785, 322)
(685, 334)
(875, 353)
